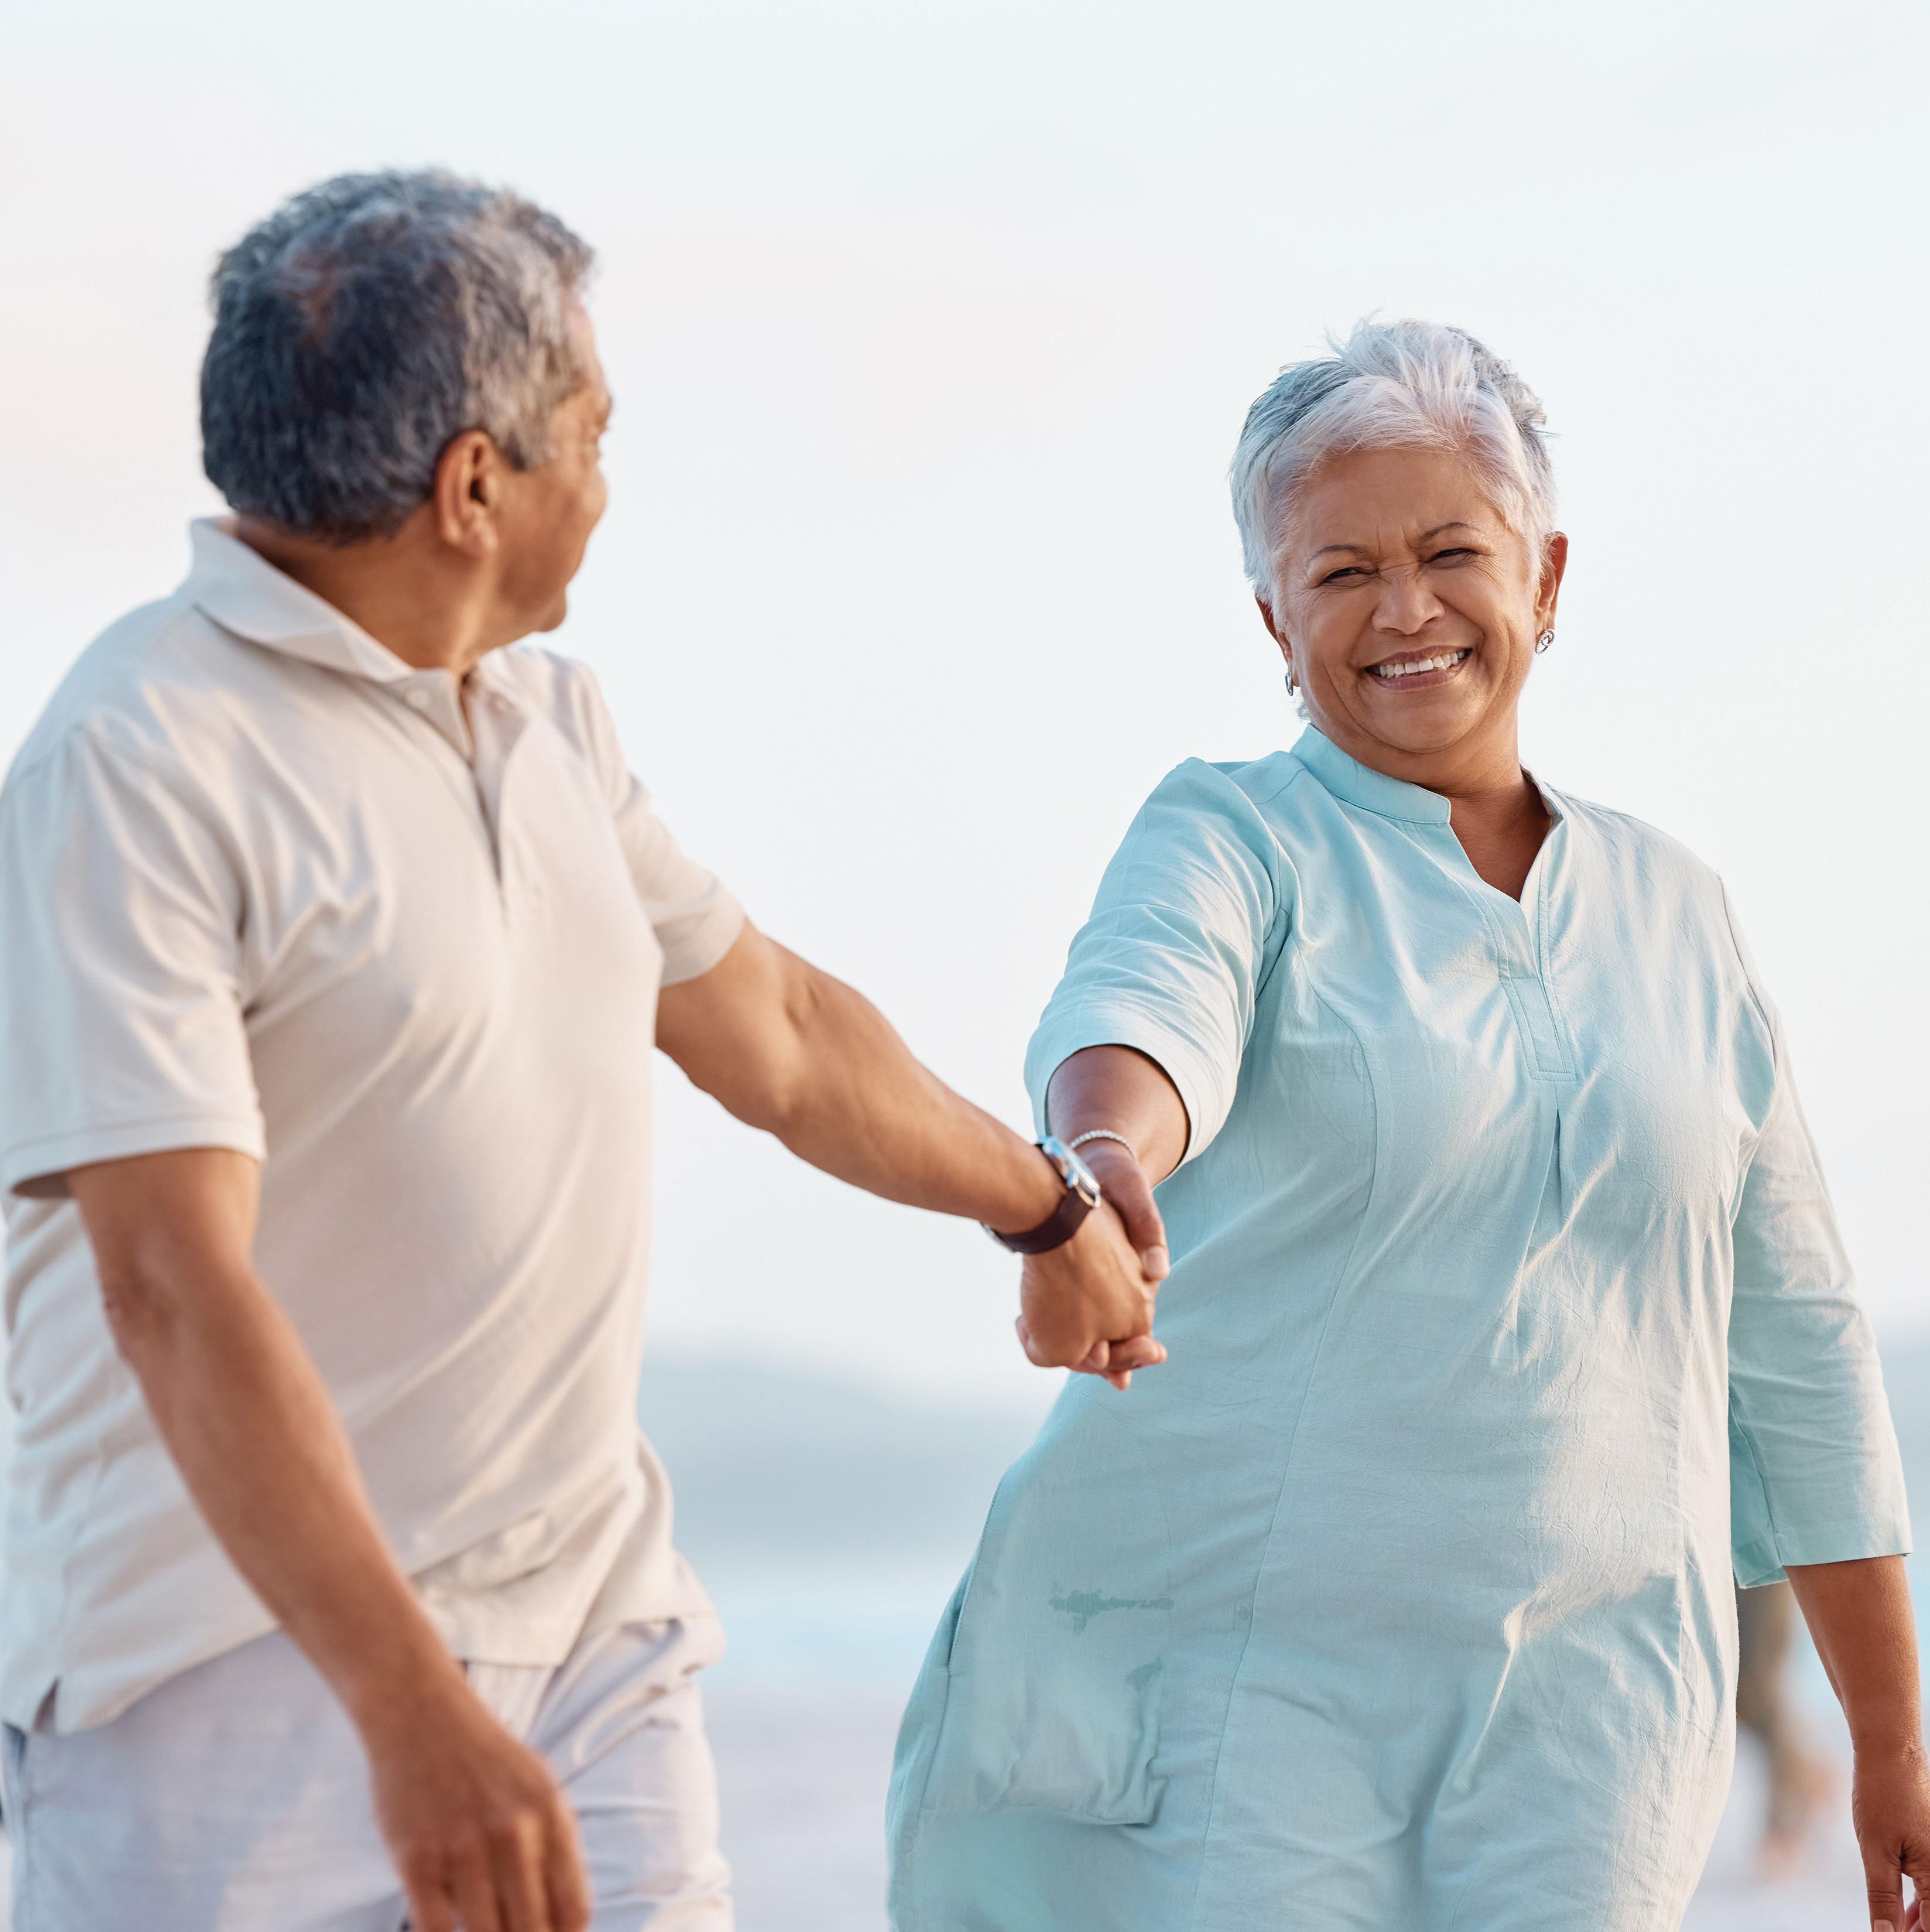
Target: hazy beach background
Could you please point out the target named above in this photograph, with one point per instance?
(931, 327)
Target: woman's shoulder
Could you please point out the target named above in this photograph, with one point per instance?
(1240, 787)
(1627, 842)
(1209, 827)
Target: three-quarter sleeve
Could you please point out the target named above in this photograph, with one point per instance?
(1189, 914)
(120, 1008)
(1815, 1473)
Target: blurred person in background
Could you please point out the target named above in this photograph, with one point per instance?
(340, 1584)
(1507, 1309)
(1798, 1778)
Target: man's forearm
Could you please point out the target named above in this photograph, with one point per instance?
(467, 1813)
(863, 1108)
(789, 1049)
(250, 1425)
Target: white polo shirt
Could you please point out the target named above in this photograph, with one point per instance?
(264, 886)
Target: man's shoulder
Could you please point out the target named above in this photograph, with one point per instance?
(136, 689)
(546, 678)
(565, 691)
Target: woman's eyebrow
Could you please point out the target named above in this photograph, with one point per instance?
(1360, 549)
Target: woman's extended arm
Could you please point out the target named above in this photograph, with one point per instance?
(1119, 1089)
(1859, 1615)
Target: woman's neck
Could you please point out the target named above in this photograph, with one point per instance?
(1501, 828)
(1494, 807)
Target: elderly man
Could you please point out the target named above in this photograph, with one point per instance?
(340, 1586)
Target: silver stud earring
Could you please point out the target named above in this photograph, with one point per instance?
(1546, 638)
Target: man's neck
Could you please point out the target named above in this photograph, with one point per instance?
(409, 594)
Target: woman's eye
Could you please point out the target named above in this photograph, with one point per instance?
(1340, 575)
(1450, 555)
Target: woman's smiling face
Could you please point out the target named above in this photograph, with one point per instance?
(1407, 611)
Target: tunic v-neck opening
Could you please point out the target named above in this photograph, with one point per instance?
(1533, 879)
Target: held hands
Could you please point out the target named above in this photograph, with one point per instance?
(1088, 1305)
(481, 1834)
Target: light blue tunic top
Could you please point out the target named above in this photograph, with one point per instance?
(1507, 1310)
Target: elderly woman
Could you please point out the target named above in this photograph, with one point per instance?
(1506, 1309)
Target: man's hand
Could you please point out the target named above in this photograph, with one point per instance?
(1088, 1305)
(481, 1834)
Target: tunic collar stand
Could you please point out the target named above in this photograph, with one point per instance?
(1355, 783)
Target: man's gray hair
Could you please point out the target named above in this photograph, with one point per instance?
(1390, 384)
(365, 324)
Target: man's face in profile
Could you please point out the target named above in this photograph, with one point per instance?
(549, 511)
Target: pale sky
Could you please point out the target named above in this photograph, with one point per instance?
(931, 326)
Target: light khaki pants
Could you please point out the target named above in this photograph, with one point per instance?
(236, 1797)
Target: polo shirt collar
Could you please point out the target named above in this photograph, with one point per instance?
(1355, 783)
(243, 593)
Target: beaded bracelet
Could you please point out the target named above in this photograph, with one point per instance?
(1102, 1134)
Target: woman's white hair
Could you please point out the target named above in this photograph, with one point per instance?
(1391, 385)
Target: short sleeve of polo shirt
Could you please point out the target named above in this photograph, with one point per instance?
(121, 1022)
(696, 920)
(1170, 962)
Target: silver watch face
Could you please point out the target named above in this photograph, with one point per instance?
(1077, 1175)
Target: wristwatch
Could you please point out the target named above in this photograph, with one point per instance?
(1080, 1197)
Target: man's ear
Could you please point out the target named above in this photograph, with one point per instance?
(468, 493)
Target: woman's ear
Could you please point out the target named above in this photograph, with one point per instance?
(1274, 631)
(1554, 565)
(1279, 637)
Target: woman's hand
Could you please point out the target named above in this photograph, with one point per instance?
(1122, 1181)
(1858, 1613)
(1891, 1806)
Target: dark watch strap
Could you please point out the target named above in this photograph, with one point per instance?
(1080, 1197)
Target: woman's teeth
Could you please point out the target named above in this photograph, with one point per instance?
(1442, 661)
